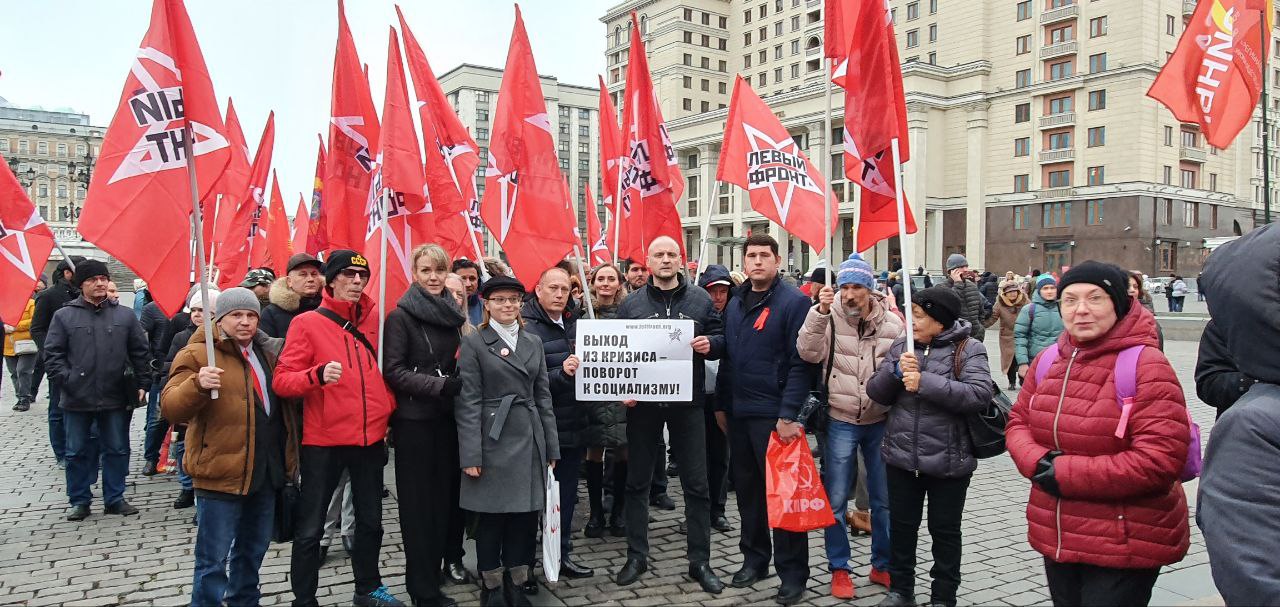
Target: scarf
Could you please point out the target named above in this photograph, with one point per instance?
(439, 310)
(509, 333)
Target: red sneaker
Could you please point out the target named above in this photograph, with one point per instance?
(879, 577)
(841, 584)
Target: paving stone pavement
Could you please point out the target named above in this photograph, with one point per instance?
(147, 559)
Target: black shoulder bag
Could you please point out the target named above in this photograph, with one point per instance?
(814, 413)
(347, 326)
(986, 427)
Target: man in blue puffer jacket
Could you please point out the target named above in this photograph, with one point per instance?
(762, 384)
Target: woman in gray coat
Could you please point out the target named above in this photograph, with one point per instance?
(506, 438)
(926, 449)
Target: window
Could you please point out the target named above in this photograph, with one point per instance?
(1060, 141)
(777, 74)
(1168, 175)
(1020, 217)
(1188, 178)
(1061, 105)
(691, 163)
(764, 33)
(688, 14)
(746, 60)
(1060, 3)
(43, 190)
(1021, 183)
(1190, 139)
(1022, 79)
(706, 41)
(42, 148)
(1024, 10)
(913, 11)
(933, 57)
(1062, 34)
(706, 63)
(1168, 135)
(688, 59)
(1213, 214)
(1097, 136)
(1022, 113)
(1062, 69)
(764, 78)
(777, 6)
(795, 47)
(1095, 212)
(1097, 63)
(746, 39)
(688, 37)
(62, 150)
(4, 145)
(724, 66)
(913, 38)
(687, 82)
(706, 106)
(1166, 218)
(1098, 27)
(1213, 187)
(1191, 214)
(795, 70)
(795, 23)
(933, 32)
(722, 87)
(1060, 179)
(62, 190)
(777, 28)
(1024, 44)
(1098, 100)
(777, 52)
(1057, 254)
(482, 133)
(746, 16)
(764, 56)
(1097, 175)
(1168, 256)
(1022, 147)
(687, 104)
(1170, 24)
(933, 7)
(706, 85)
(764, 11)
(23, 146)
(1057, 214)
(724, 22)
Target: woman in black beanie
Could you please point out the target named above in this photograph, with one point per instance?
(927, 451)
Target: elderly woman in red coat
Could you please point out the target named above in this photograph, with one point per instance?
(1107, 509)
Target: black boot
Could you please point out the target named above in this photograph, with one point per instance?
(491, 589)
(618, 515)
(595, 496)
(519, 577)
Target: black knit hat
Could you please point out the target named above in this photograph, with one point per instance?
(498, 283)
(940, 303)
(1112, 279)
(88, 269)
(341, 260)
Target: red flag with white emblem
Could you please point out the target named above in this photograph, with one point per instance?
(450, 153)
(760, 156)
(139, 204)
(611, 154)
(25, 244)
(401, 157)
(524, 196)
(599, 253)
(245, 244)
(279, 246)
(220, 204)
(353, 137)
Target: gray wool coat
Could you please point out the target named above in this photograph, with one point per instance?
(506, 425)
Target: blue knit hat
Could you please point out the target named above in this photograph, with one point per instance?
(855, 271)
(1045, 279)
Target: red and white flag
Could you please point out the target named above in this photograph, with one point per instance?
(138, 208)
(317, 232)
(760, 156)
(352, 153)
(599, 253)
(1214, 77)
(25, 244)
(220, 204)
(651, 180)
(245, 245)
(611, 153)
(301, 228)
(524, 195)
(278, 242)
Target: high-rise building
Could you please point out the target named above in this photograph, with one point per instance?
(1033, 143)
(473, 91)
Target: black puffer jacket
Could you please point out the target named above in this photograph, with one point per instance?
(686, 301)
(926, 430)
(420, 355)
(973, 306)
(284, 307)
(557, 345)
(50, 301)
(1218, 382)
(89, 350)
(606, 420)
(156, 325)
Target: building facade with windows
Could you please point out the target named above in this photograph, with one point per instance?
(574, 115)
(1033, 143)
(53, 153)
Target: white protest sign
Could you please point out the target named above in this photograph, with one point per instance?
(644, 360)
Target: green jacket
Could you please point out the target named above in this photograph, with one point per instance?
(1029, 338)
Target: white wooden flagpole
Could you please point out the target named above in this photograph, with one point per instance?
(382, 275)
(902, 243)
(199, 230)
(826, 162)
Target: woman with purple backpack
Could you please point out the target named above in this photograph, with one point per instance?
(1101, 428)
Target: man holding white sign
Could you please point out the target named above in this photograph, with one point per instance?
(669, 297)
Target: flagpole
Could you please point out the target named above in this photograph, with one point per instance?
(475, 243)
(382, 276)
(617, 214)
(826, 162)
(71, 264)
(902, 242)
(198, 220)
(702, 251)
(1266, 127)
(582, 275)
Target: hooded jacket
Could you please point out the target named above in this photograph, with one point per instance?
(972, 306)
(89, 351)
(926, 430)
(762, 374)
(286, 304)
(557, 345)
(1030, 337)
(687, 302)
(420, 352)
(49, 301)
(1122, 505)
(233, 445)
(861, 343)
(1238, 503)
(353, 411)
(1219, 383)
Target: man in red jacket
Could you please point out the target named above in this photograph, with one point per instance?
(1106, 508)
(330, 364)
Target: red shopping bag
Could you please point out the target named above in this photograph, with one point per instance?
(796, 498)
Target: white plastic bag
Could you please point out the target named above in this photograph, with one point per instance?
(551, 530)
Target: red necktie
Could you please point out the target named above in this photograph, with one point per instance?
(257, 379)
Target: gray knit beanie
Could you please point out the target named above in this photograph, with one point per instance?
(236, 298)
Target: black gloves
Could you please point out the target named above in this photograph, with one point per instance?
(1044, 474)
(452, 386)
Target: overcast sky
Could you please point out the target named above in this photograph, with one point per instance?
(277, 54)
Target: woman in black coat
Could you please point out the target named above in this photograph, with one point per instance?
(606, 422)
(420, 348)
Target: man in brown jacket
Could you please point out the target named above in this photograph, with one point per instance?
(863, 329)
(241, 447)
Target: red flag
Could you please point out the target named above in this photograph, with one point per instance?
(1214, 78)
(353, 133)
(230, 186)
(301, 228)
(651, 179)
(278, 247)
(245, 245)
(139, 202)
(25, 244)
(524, 195)
(611, 155)
(760, 156)
(401, 157)
(836, 42)
(599, 253)
(450, 156)
(454, 232)
(318, 234)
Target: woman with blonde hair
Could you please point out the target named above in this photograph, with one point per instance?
(607, 421)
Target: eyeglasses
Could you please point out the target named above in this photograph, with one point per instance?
(1093, 302)
(505, 301)
(350, 273)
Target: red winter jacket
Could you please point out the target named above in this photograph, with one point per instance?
(1122, 505)
(354, 410)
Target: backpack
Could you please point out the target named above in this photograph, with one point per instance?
(1126, 382)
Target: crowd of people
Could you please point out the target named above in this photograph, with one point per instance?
(286, 432)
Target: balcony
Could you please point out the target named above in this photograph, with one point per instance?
(1062, 155)
(1193, 154)
(1054, 121)
(1188, 7)
(815, 3)
(1059, 14)
(1050, 193)
(813, 51)
(1059, 49)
